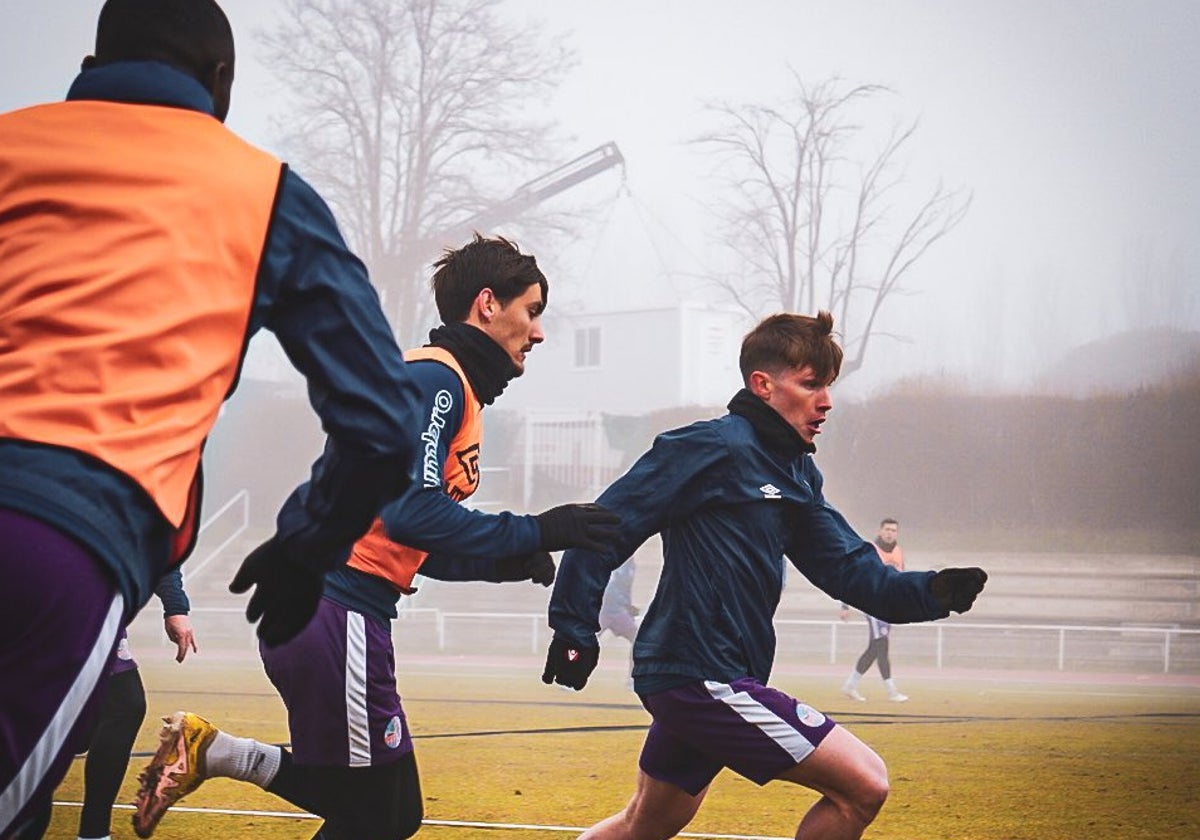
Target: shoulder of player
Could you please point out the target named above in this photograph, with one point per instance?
(433, 375)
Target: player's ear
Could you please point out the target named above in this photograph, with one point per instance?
(486, 304)
(761, 385)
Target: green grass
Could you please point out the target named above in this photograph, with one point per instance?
(971, 756)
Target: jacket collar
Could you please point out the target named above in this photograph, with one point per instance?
(142, 83)
(775, 433)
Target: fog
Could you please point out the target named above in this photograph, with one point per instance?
(1073, 126)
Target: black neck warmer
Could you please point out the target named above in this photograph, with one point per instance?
(487, 366)
(775, 433)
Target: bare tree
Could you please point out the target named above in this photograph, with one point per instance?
(809, 209)
(411, 116)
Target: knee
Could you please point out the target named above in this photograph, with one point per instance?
(868, 796)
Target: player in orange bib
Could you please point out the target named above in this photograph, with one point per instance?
(351, 759)
(891, 554)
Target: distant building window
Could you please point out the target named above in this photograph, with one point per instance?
(587, 347)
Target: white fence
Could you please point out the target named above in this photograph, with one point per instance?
(948, 644)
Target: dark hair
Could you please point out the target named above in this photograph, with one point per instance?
(482, 263)
(889, 521)
(192, 35)
(788, 340)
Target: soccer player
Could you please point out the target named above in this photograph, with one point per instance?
(878, 632)
(122, 712)
(732, 497)
(618, 614)
(142, 244)
(352, 758)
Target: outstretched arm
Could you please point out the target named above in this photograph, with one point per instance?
(829, 553)
(535, 566)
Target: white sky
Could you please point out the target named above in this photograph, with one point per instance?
(1075, 124)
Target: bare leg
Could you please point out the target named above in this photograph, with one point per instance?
(853, 784)
(658, 810)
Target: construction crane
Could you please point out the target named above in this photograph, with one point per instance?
(534, 192)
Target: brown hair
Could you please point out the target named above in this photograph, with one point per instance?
(483, 263)
(788, 340)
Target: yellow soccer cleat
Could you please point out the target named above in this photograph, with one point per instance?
(177, 769)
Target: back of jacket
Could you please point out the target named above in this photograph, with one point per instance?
(122, 327)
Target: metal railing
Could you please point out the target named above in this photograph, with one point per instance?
(1061, 632)
(193, 568)
(940, 644)
(945, 635)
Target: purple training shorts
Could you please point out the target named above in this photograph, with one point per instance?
(338, 681)
(60, 614)
(756, 731)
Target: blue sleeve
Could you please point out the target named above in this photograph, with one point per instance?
(842, 564)
(664, 485)
(314, 295)
(423, 516)
(170, 591)
(459, 569)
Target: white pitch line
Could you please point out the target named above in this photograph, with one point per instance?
(300, 815)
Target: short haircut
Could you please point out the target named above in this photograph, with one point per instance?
(787, 340)
(192, 35)
(889, 521)
(483, 263)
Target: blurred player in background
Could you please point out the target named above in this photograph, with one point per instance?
(618, 614)
(878, 631)
(122, 711)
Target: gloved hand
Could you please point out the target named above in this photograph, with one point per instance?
(956, 588)
(589, 526)
(569, 664)
(536, 566)
(285, 596)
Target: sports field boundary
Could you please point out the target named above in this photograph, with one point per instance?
(300, 815)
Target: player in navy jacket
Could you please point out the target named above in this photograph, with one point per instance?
(732, 497)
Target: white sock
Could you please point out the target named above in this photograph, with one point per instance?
(243, 758)
(852, 680)
(891, 686)
(105, 837)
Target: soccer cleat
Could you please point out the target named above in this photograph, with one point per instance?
(177, 769)
(897, 697)
(853, 693)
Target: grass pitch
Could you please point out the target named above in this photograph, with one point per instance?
(972, 756)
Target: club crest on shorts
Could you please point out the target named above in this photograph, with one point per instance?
(809, 716)
(394, 733)
(572, 655)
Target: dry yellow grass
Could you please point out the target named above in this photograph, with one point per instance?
(971, 758)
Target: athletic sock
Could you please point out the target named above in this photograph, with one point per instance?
(852, 680)
(242, 758)
(891, 686)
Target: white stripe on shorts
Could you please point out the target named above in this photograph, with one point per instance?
(756, 714)
(21, 788)
(357, 723)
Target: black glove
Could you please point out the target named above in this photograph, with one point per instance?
(956, 588)
(589, 526)
(569, 664)
(285, 596)
(536, 566)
